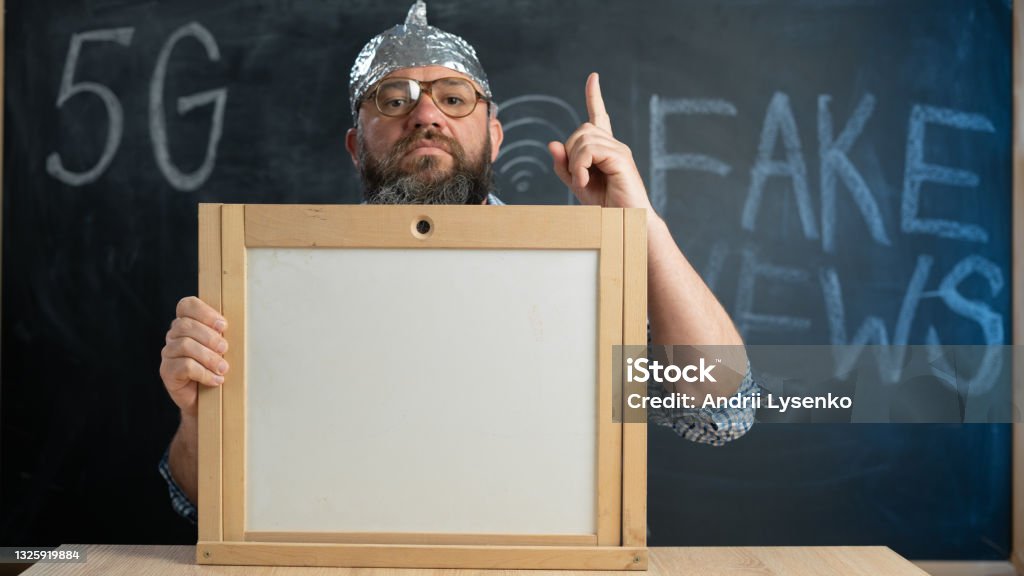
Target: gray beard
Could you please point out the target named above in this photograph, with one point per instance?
(385, 182)
(457, 189)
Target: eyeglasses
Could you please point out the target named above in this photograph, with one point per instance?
(456, 97)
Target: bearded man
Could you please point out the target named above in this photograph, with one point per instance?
(426, 132)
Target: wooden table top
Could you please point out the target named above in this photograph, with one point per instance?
(748, 561)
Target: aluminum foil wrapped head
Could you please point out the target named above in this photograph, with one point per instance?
(411, 45)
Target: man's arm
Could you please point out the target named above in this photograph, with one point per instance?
(183, 457)
(600, 171)
(683, 310)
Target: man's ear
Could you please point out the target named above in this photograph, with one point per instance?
(352, 145)
(497, 135)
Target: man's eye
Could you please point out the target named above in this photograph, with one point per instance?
(395, 103)
(453, 100)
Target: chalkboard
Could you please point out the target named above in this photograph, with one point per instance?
(835, 169)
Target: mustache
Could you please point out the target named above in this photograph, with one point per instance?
(408, 142)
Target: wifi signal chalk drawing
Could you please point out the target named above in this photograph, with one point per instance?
(530, 122)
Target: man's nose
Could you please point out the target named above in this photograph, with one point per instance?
(426, 113)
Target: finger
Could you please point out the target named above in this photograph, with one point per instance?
(192, 307)
(587, 134)
(595, 104)
(587, 156)
(578, 159)
(197, 373)
(582, 177)
(578, 162)
(560, 160)
(181, 372)
(196, 330)
(597, 153)
(189, 348)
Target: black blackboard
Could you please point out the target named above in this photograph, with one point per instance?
(723, 103)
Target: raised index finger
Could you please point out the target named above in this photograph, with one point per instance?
(595, 104)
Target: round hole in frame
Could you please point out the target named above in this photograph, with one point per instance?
(422, 227)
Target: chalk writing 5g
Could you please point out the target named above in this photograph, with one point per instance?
(69, 88)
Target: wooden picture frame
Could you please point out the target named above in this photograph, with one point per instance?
(617, 237)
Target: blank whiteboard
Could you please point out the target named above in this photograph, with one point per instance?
(422, 387)
(401, 390)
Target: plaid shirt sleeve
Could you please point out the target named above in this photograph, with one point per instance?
(179, 501)
(713, 426)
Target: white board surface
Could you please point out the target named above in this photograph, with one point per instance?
(421, 390)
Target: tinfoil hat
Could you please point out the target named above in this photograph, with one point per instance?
(412, 45)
